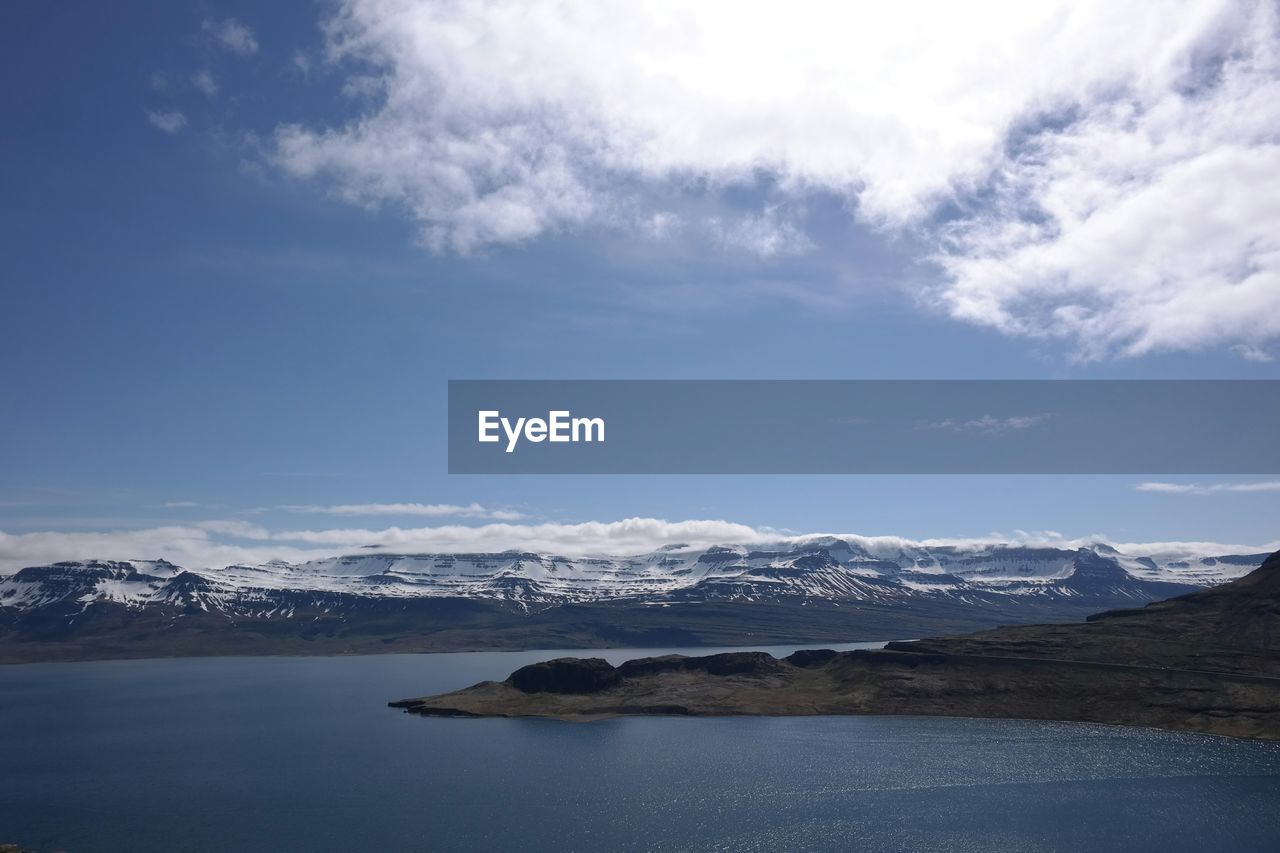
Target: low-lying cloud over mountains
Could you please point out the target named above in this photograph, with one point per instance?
(219, 542)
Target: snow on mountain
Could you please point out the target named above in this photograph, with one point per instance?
(828, 568)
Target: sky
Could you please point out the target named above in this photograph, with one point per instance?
(246, 246)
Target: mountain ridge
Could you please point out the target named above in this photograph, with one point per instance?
(824, 589)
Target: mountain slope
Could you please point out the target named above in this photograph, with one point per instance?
(1230, 628)
(818, 589)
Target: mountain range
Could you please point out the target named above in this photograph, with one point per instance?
(800, 590)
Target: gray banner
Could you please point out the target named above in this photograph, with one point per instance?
(864, 427)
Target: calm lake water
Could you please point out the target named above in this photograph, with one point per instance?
(283, 754)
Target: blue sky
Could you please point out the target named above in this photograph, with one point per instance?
(246, 246)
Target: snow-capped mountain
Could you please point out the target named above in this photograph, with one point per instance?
(816, 589)
(822, 568)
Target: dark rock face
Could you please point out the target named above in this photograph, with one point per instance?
(806, 658)
(593, 675)
(717, 555)
(566, 675)
(652, 666)
(736, 663)
(728, 663)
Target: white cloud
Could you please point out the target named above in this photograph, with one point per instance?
(362, 86)
(302, 63)
(472, 510)
(206, 544)
(767, 234)
(889, 546)
(1251, 353)
(629, 536)
(188, 546)
(169, 122)
(236, 529)
(662, 224)
(1110, 171)
(231, 34)
(204, 82)
(1150, 223)
(1209, 488)
(990, 424)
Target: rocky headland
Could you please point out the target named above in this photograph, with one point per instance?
(1205, 662)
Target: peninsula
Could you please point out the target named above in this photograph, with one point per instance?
(1205, 662)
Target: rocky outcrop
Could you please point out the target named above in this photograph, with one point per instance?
(565, 675)
(811, 657)
(728, 663)
(594, 675)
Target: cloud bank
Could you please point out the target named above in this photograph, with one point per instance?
(1209, 488)
(1102, 173)
(472, 510)
(990, 424)
(218, 543)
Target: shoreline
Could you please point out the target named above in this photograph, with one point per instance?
(876, 682)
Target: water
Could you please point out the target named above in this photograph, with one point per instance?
(282, 754)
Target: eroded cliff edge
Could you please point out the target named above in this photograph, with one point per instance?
(1205, 662)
